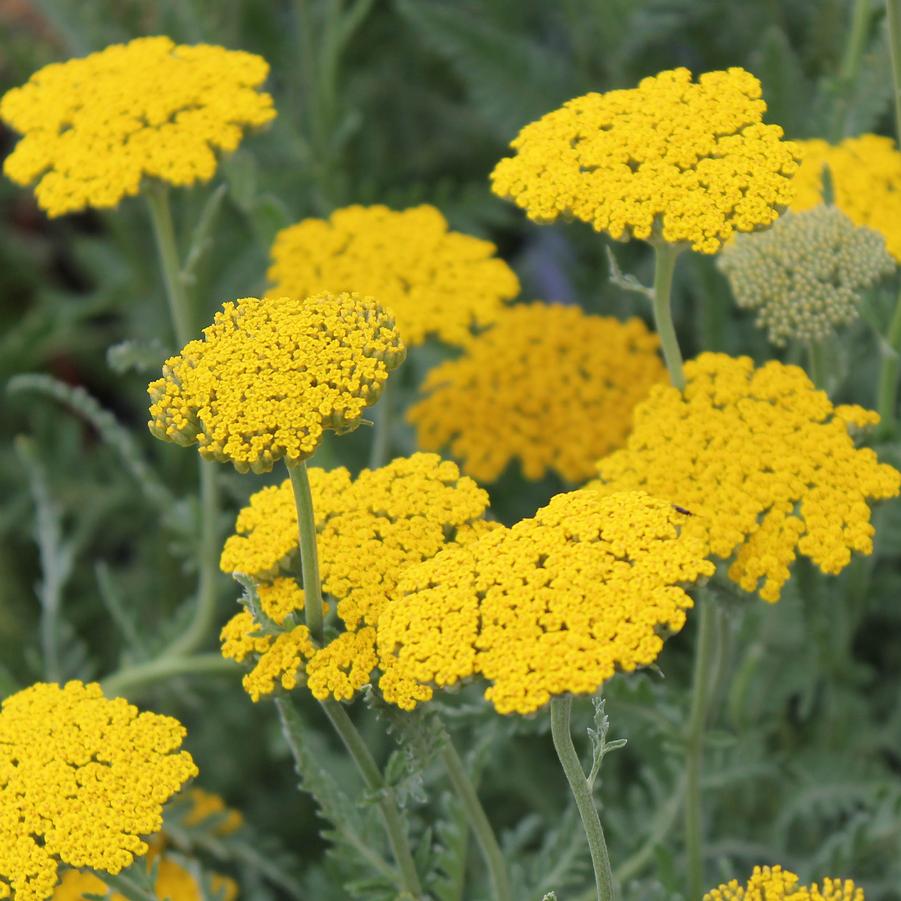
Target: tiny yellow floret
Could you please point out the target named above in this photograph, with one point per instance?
(865, 173)
(82, 779)
(369, 530)
(271, 376)
(547, 385)
(766, 459)
(776, 884)
(95, 127)
(555, 605)
(673, 160)
(435, 281)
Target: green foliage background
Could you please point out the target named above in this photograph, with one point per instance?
(404, 101)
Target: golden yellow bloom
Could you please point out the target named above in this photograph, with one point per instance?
(95, 127)
(208, 805)
(672, 159)
(766, 459)
(82, 778)
(866, 182)
(547, 385)
(435, 282)
(557, 604)
(173, 882)
(368, 531)
(271, 376)
(776, 884)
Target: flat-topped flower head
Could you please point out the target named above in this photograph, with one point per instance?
(369, 530)
(546, 385)
(94, 128)
(82, 780)
(435, 281)
(555, 605)
(766, 459)
(865, 173)
(806, 275)
(271, 376)
(776, 884)
(674, 160)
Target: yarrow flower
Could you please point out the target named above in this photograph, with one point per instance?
(555, 605)
(369, 530)
(671, 159)
(435, 281)
(865, 173)
(82, 778)
(173, 883)
(271, 376)
(805, 275)
(547, 385)
(766, 460)
(95, 127)
(776, 884)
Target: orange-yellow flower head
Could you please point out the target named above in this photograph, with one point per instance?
(766, 460)
(672, 159)
(547, 385)
(369, 530)
(82, 779)
(436, 282)
(866, 182)
(776, 884)
(556, 605)
(94, 128)
(271, 376)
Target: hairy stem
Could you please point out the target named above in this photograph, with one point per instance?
(309, 556)
(665, 256)
(561, 711)
(850, 67)
(478, 821)
(372, 776)
(126, 682)
(816, 361)
(381, 437)
(705, 660)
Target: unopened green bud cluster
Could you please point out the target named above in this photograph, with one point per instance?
(805, 275)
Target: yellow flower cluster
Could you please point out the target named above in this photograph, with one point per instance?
(173, 883)
(671, 159)
(435, 282)
(271, 376)
(806, 275)
(82, 778)
(557, 604)
(368, 531)
(776, 884)
(765, 459)
(206, 806)
(95, 127)
(547, 385)
(866, 182)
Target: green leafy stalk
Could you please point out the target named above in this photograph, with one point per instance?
(850, 67)
(705, 663)
(561, 711)
(816, 357)
(887, 397)
(665, 256)
(309, 555)
(478, 822)
(127, 682)
(381, 439)
(372, 776)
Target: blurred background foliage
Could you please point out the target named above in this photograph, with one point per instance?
(400, 102)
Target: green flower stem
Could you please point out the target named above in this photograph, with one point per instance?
(887, 399)
(127, 887)
(816, 360)
(182, 319)
(127, 682)
(850, 67)
(705, 663)
(164, 232)
(561, 710)
(309, 556)
(665, 256)
(372, 776)
(478, 821)
(381, 437)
